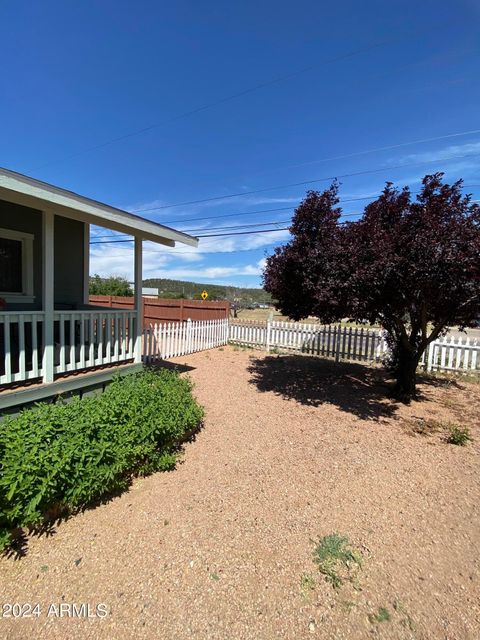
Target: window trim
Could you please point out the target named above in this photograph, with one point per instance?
(26, 239)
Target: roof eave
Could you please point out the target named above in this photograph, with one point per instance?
(40, 195)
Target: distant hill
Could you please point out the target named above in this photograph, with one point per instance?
(192, 290)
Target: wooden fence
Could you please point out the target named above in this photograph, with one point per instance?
(159, 310)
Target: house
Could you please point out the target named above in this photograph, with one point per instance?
(147, 292)
(51, 339)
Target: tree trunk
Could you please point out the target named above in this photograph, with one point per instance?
(406, 375)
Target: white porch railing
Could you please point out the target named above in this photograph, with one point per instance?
(21, 346)
(83, 339)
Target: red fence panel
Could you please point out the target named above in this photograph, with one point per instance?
(166, 310)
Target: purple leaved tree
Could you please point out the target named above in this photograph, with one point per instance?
(412, 265)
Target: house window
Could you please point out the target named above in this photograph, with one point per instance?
(16, 266)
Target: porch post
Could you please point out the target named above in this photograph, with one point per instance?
(86, 263)
(138, 298)
(48, 296)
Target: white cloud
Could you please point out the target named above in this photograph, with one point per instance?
(117, 259)
(231, 244)
(112, 260)
(210, 273)
(451, 151)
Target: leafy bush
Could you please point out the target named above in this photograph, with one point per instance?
(67, 455)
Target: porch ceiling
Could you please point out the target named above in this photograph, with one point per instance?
(21, 189)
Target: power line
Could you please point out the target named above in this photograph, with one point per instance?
(215, 103)
(294, 204)
(240, 226)
(162, 251)
(251, 213)
(352, 155)
(345, 215)
(242, 233)
(238, 233)
(236, 215)
(255, 224)
(306, 182)
(205, 248)
(387, 148)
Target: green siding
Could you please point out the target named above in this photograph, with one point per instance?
(69, 244)
(69, 250)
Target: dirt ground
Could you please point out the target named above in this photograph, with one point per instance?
(293, 448)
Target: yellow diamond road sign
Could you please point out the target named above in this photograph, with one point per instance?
(204, 295)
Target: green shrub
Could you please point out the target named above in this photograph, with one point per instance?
(68, 455)
(458, 435)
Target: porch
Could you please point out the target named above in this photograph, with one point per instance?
(48, 329)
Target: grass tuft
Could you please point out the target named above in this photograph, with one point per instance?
(307, 583)
(333, 553)
(383, 615)
(458, 435)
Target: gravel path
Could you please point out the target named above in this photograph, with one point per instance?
(293, 448)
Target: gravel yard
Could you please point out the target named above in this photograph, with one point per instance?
(293, 448)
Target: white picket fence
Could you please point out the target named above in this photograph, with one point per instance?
(452, 354)
(351, 343)
(330, 341)
(173, 339)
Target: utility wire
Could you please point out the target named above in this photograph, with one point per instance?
(361, 153)
(242, 233)
(294, 204)
(161, 251)
(306, 182)
(228, 98)
(237, 233)
(251, 213)
(345, 215)
(255, 224)
(239, 226)
(387, 148)
(205, 248)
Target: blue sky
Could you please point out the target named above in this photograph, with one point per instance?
(338, 79)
